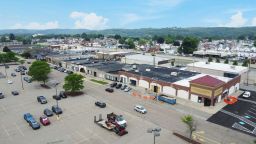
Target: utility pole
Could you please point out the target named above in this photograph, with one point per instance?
(21, 80)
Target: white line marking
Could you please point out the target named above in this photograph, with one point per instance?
(7, 133)
(19, 129)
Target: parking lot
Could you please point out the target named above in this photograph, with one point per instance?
(76, 123)
(240, 116)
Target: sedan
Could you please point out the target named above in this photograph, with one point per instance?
(56, 109)
(34, 124)
(62, 94)
(113, 84)
(100, 104)
(109, 90)
(1, 95)
(127, 89)
(48, 112)
(140, 109)
(118, 86)
(56, 97)
(41, 99)
(9, 82)
(44, 120)
(123, 87)
(15, 93)
(13, 74)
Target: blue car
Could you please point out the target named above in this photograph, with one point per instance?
(28, 117)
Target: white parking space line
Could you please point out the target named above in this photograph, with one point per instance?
(7, 133)
(251, 112)
(253, 109)
(19, 129)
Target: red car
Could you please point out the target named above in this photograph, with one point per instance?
(44, 120)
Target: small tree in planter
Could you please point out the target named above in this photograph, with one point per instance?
(190, 122)
(73, 83)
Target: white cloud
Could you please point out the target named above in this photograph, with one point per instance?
(88, 20)
(254, 21)
(236, 20)
(165, 3)
(36, 25)
(130, 18)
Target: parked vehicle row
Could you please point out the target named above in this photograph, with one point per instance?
(61, 69)
(120, 86)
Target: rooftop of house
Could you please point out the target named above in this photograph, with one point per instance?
(220, 67)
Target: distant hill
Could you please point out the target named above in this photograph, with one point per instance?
(221, 32)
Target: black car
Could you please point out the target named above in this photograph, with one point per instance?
(123, 87)
(109, 90)
(113, 84)
(22, 73)
(48, 112)
(1, 95)
(56, 109)
(15, 93)
(41, 99)
(34, 124)
(62, 94)
(56, 97)
(13, 74)
(17, 70)
(118, 86)
(100, 104)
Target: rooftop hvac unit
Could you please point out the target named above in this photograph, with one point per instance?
(174, 73)
(148, 70)
(134, 66)
(136, 70)
(233, 67)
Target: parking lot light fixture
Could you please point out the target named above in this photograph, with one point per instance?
(155, 131)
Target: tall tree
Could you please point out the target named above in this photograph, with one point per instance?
(12, 36)
(73, 83)
(169, 39)
(142, 41)
(235, 63)
(176, 43)
(39, 71)
(6, 49)
(117, 37)
(210, 59)
(160, 40)
(189, 45)
(190, 122)
(130, 42)
(226, 61)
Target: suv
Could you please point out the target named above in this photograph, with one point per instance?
(48, 112)
(56, 97)
(113, 84)
(41, 99)
(13, 74)
(62, 94)
(118, 86)
(56, 109)
(27, 79)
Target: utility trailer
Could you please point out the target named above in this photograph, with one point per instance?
(109, 125)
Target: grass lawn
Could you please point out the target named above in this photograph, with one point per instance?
(99, 81)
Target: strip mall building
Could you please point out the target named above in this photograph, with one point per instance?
(207, 89)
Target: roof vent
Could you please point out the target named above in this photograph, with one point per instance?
(174, 73)
(136, 70)
(147, 70)
(233, 67)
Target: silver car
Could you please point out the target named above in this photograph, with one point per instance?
(140, 109)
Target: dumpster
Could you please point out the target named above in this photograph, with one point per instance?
(167, 99)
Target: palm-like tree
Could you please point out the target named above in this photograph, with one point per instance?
(190, 122)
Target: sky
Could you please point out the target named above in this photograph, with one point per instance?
(128, 14)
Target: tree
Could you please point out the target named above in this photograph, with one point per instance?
(117, 37)
(122, 41)
(39, 71)
(210, 59)
(12, 36)
(176, 43)
(235, 62)
(73, 83)
(169, 40)
(160, 40)
(26, 55)
(6, 49)
(189, 121)
(245, 63)
(226, 61)
(189, 45)
(254, 43)
(8, 57)
(3, 39)
(217, 60)
(142, 41)
(130, 42)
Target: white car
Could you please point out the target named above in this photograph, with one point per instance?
(247, 94)
(140, 109)
(9, 82)
(120, 120)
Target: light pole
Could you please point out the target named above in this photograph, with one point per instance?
(155, 131)
(21, 80)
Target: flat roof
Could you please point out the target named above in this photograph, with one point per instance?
(220, 67)
(148, 58)
(170, 75)
(107, 66)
